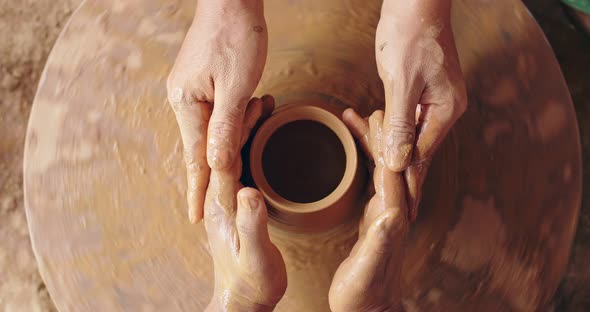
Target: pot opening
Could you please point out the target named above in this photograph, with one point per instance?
(303, 161)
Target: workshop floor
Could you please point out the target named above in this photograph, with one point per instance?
(28, 29)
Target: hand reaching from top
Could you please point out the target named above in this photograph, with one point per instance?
(424, 87)
(218, 67)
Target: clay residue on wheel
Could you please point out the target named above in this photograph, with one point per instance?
(479, 240)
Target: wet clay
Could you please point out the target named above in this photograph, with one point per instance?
(371, 275)
(303, 161)
(105, 182)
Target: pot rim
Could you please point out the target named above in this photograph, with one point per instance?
(283, 116)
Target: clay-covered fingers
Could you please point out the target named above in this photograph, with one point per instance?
(225, 129)
(383, 241)
(415, 176)
(376, 137)
(258, 109)
(252, 225)
(260, 261)
(390, 195)
(192, 118)
(253, 114)
(393, 193)
(390, 186)
(399, 125)
(359, 127)
(377, 245)
(435, 122)
(268, 105)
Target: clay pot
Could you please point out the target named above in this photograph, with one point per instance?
(305, 162)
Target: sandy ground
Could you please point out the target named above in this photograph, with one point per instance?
(28, 29)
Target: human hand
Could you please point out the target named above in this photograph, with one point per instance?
(218, 68)
(250, 272)
(424, 88)
(370, 278)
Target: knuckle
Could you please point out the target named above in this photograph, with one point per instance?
(401, 124)
(183, 92)
(175, 95)
(175, 89)
(196, 168)
(401, 128)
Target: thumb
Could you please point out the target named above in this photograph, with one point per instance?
(381, 243)
(399, 125)
(378, 243)
(252, 224)
(225, 131)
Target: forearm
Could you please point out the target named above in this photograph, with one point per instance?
(417, 10)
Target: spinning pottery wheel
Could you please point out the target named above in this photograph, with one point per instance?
(105, 182)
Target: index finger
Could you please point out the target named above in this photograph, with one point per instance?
(225, 129)
(192, 118)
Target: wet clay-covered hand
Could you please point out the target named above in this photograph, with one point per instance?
(249, 269)
(218, 67)
(369, 279)
(424, 87)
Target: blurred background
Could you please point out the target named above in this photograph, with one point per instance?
(28, 29)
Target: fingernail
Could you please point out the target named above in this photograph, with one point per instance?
(249, 203)
(220, 158)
